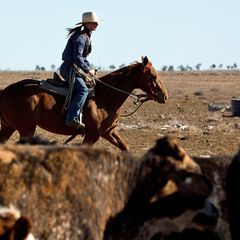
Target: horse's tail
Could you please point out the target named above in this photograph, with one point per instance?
(1, 91)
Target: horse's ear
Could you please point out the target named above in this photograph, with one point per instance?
(145, 60)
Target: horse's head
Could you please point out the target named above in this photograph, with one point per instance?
(151, 84)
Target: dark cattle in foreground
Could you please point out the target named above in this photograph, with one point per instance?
(88, 193)
(181, 210)
(233, 196)
(190, 234)
(174, 217)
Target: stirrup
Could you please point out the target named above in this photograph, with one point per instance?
(80, 119)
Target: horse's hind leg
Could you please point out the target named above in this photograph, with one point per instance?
(5, 132)
(27, 132)
(90, 139)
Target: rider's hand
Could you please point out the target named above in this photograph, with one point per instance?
(92, 72)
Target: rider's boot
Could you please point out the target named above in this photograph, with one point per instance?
(76, 122)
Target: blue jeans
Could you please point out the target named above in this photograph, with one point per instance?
(80, 94)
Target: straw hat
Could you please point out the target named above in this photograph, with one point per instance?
(89, 17)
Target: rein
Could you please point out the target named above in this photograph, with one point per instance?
(139, 99)
(138, 106)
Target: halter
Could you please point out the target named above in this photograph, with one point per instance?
(146, 69)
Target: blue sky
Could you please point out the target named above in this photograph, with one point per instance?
(173, 32)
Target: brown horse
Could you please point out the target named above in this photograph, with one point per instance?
(23, 105)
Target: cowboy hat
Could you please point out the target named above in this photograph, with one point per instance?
(89, 17)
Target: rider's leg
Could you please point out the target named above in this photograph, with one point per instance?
(78, 100)
(80, 93)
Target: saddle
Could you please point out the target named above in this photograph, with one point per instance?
(57, 84)
(57, 80)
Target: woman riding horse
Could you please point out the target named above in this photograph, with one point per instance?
(76, 51)
(24, 106)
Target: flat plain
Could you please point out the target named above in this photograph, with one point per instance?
(198, 113)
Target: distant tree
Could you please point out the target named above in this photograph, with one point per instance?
(37, 68)
(213, 66)
(220, 66)
(122, 65)
(189, 68)
(53, 67)
(112, 67)
(181, 68)
(164, 68)
(235, 65)
(198, 66)
(171, 68)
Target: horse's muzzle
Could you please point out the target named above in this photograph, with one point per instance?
(160, 98)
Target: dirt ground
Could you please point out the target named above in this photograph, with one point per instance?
(197, 113)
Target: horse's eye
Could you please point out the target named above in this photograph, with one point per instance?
(188, 180)
(154, 78)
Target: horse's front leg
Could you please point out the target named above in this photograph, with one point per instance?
(5, 132)
(90, 138)
(113, 137)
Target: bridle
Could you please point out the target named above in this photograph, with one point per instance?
(139, 99)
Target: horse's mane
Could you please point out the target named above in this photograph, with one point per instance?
(121, 71)
(118, 79)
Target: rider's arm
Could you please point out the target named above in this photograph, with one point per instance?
(80, 43)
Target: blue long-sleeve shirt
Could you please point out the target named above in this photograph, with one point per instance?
(76, 51)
